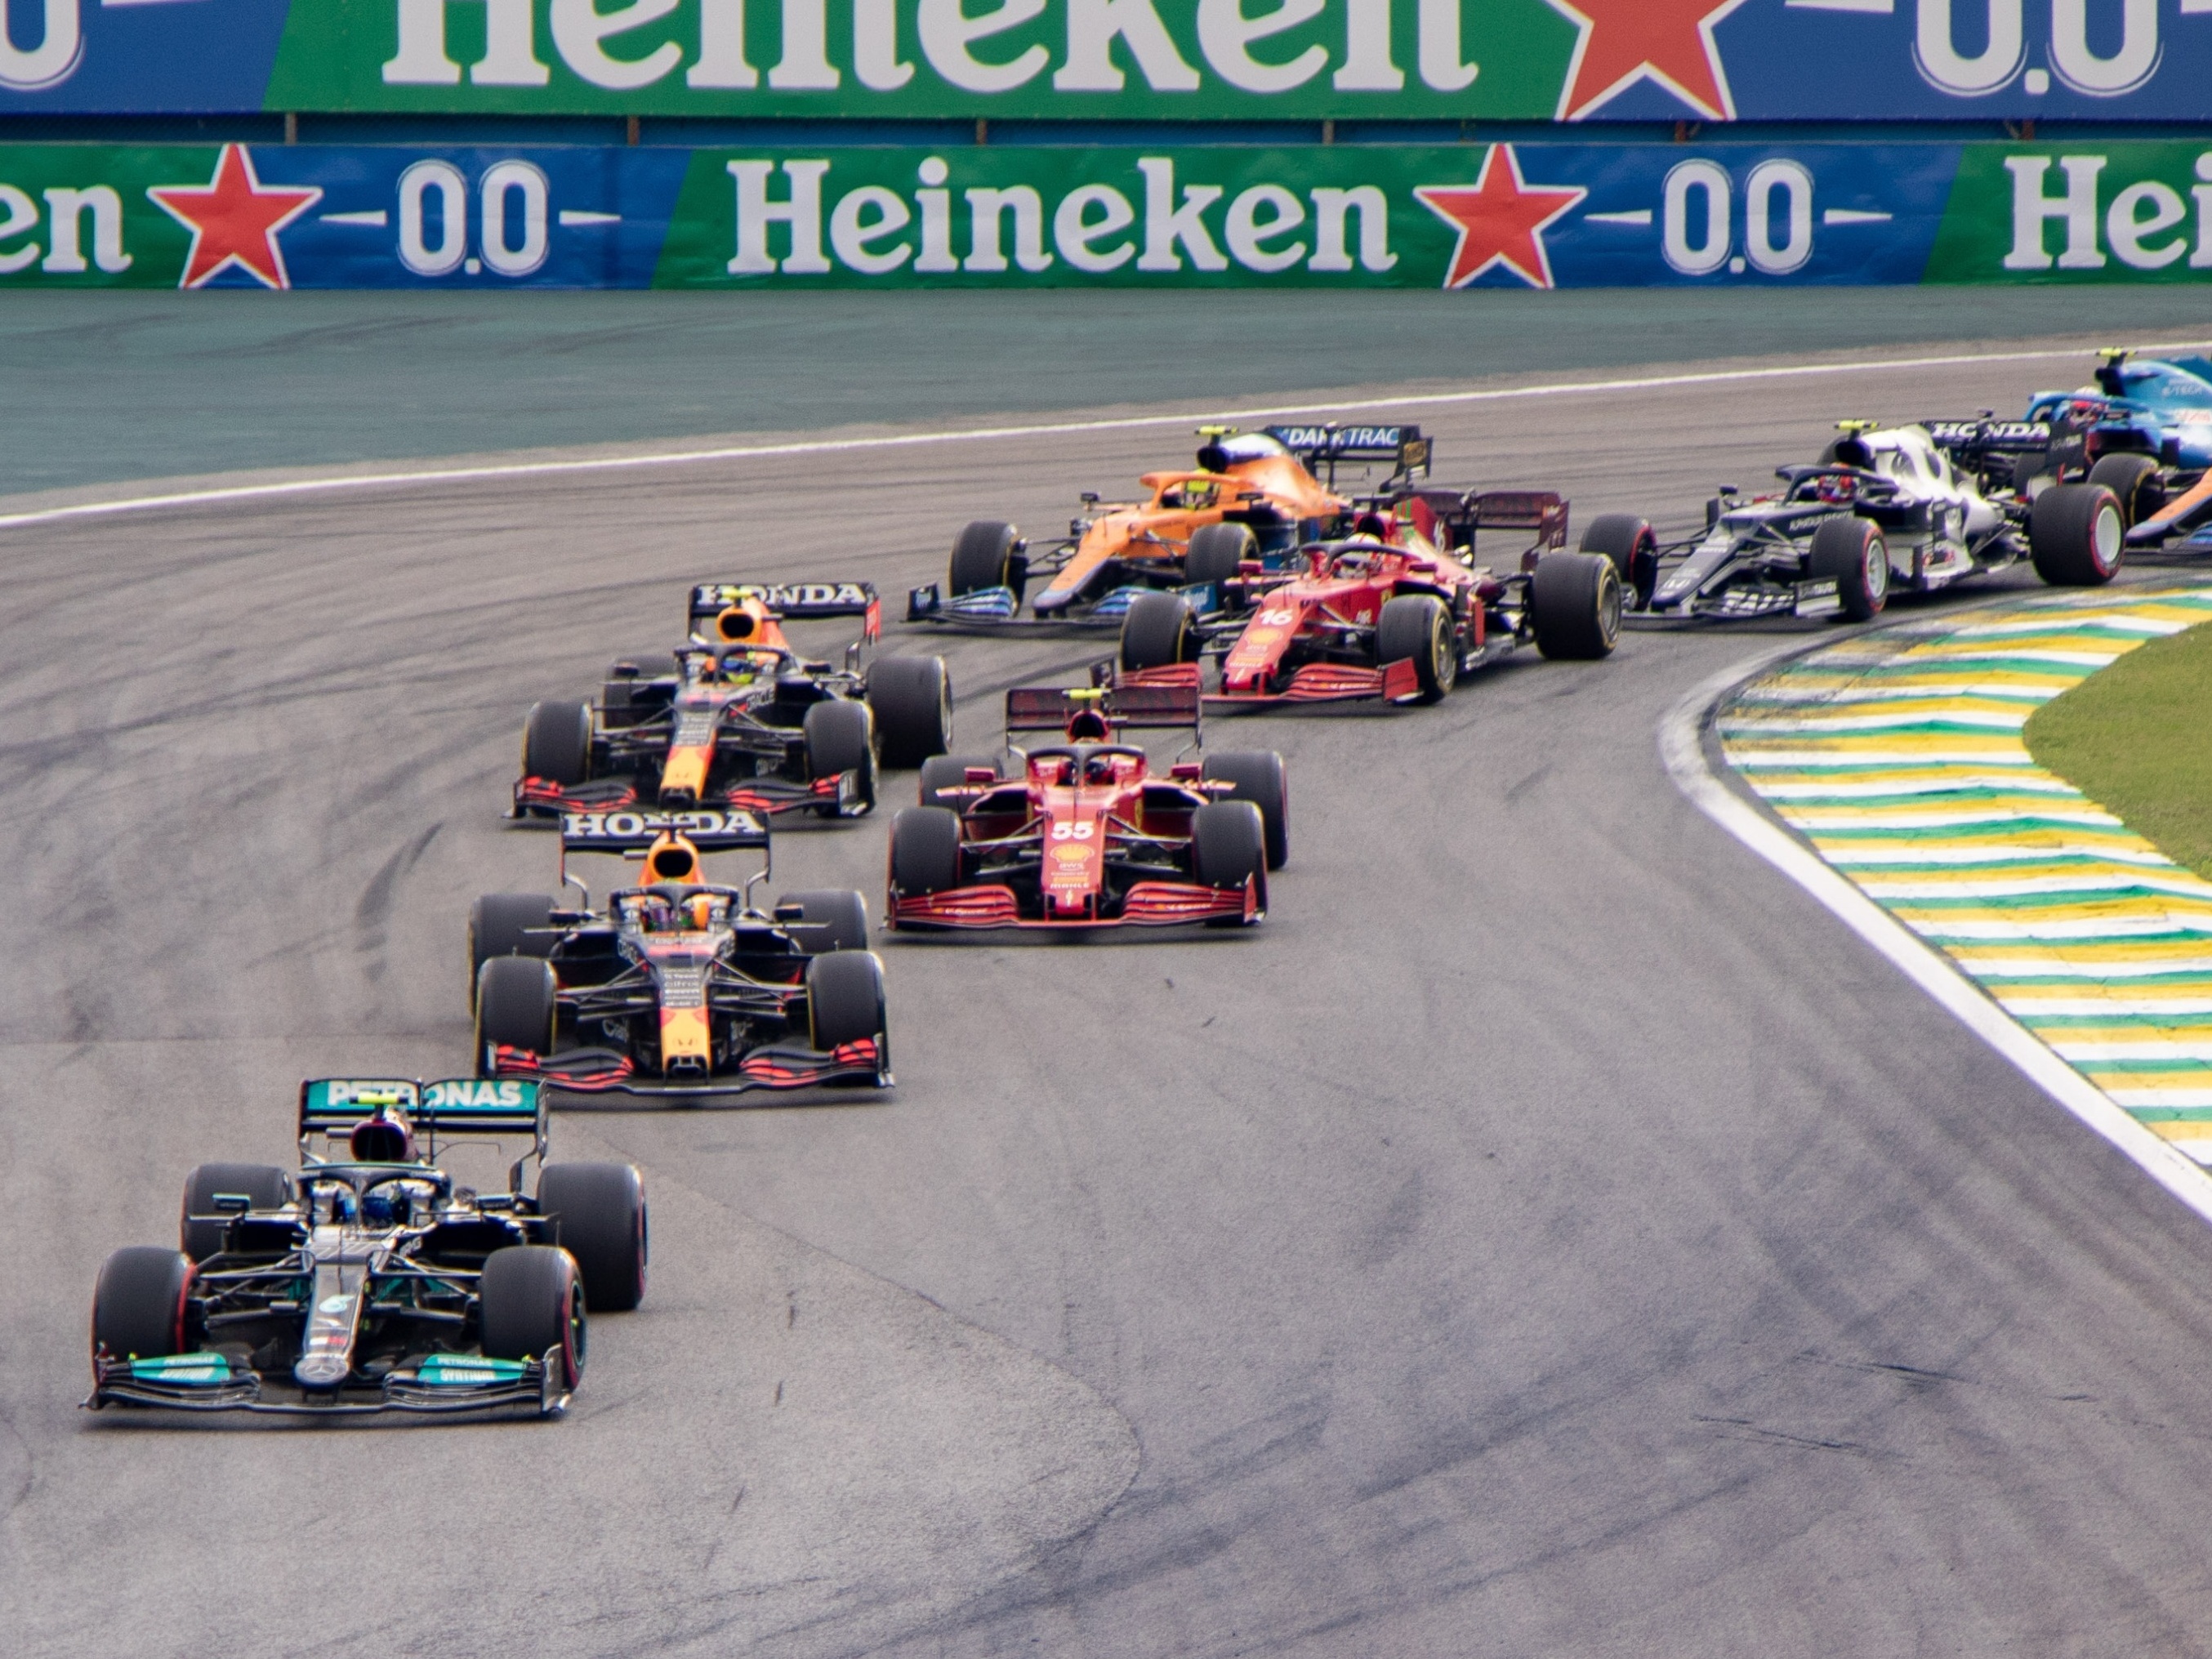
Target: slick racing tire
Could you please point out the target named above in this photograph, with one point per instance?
(942, 772)
(2076, 535)
(623, 699)
(556, 742)
(507, 925)
(1156, 632)
(1258, 775)
(263, 1185)
(598, 1218)
(840, 919)
(1416, 626)
(1229, 847)
(1628, 541)
(925, 851)
(1217, 551)
(517, 1003)
(841, 736)
(911, 698)
(2134, 481)
(1853, 552)
(982, 557)
(531, 1303)
(141, 1304)
(844, 999)
(1574, 606)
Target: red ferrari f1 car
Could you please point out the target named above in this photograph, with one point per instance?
(1086, 832)
(1399, 611)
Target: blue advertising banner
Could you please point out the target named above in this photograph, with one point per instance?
(1466, 215)
(1540, 60)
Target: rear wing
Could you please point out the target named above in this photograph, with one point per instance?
(709, 828)
(1325, 446)
(791, 601)
(1047, 708)
(454, 1108)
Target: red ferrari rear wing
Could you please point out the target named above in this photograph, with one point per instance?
(1048, 707)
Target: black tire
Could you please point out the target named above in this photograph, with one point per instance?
(841, 736)
(138, 1307)
(2075, 534)
(1229, 846)
(1574, 606)
(844, 999)
(1156, 632)
(2134, 481)
(982, 557)
(556, 742)
(531, 1301)
(911, 698)
(1217, 550)
(925, 851)
(941, 772)
(1627, 540)
(1259, 777)
(516, 1006)
(264, 1185)
(601, 1220)
(1418, 627)
(507, 925)
(1853, 552)
(844, 911)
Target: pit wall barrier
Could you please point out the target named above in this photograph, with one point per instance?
(1508, 214)
(1543, 60)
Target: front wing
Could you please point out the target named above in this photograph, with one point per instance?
(771, 1066)
(538, 798)
(445, 1385)
(1146, 904)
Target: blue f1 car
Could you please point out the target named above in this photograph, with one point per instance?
(2144, 431)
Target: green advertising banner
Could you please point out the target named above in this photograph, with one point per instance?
(903, 59)
(1452, 217)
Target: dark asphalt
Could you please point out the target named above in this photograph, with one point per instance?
(113, 385)
(1550, 1234)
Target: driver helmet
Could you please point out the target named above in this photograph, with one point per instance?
(699, 912)
(384, 1137)
(383, 1206)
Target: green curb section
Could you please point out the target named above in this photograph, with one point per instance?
(1899, 757)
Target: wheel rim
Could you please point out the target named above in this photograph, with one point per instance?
(1875, 557)
(573, 1339)
(1608, 605)
(1446, 666)
(2104, 537)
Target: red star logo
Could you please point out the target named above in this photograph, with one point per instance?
(1501, 219)
(233, 219)
(1624, 41)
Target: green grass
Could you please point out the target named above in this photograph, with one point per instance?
(2137, 738)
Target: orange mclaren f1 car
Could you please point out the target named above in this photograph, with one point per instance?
(1397, 612)
(1087, 832)
(1253, 494)
(739, 718)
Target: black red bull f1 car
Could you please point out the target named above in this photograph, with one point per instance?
(677, 986)
(739, 718)
(1087, 832)
(370, 1278)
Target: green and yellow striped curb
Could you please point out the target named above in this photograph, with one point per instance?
(1899, 757)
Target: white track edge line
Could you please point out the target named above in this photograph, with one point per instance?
(1682, 750)
(980, 435)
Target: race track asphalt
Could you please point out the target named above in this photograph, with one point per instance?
(1550, 1233)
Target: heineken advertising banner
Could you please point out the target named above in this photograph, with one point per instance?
(1569, 60)
(1504, 214)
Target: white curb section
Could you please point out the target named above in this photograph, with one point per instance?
(1682, 750)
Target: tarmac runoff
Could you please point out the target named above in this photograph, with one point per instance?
(1899, 757)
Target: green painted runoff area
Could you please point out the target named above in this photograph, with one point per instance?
(104, 387)
(2134, 737)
